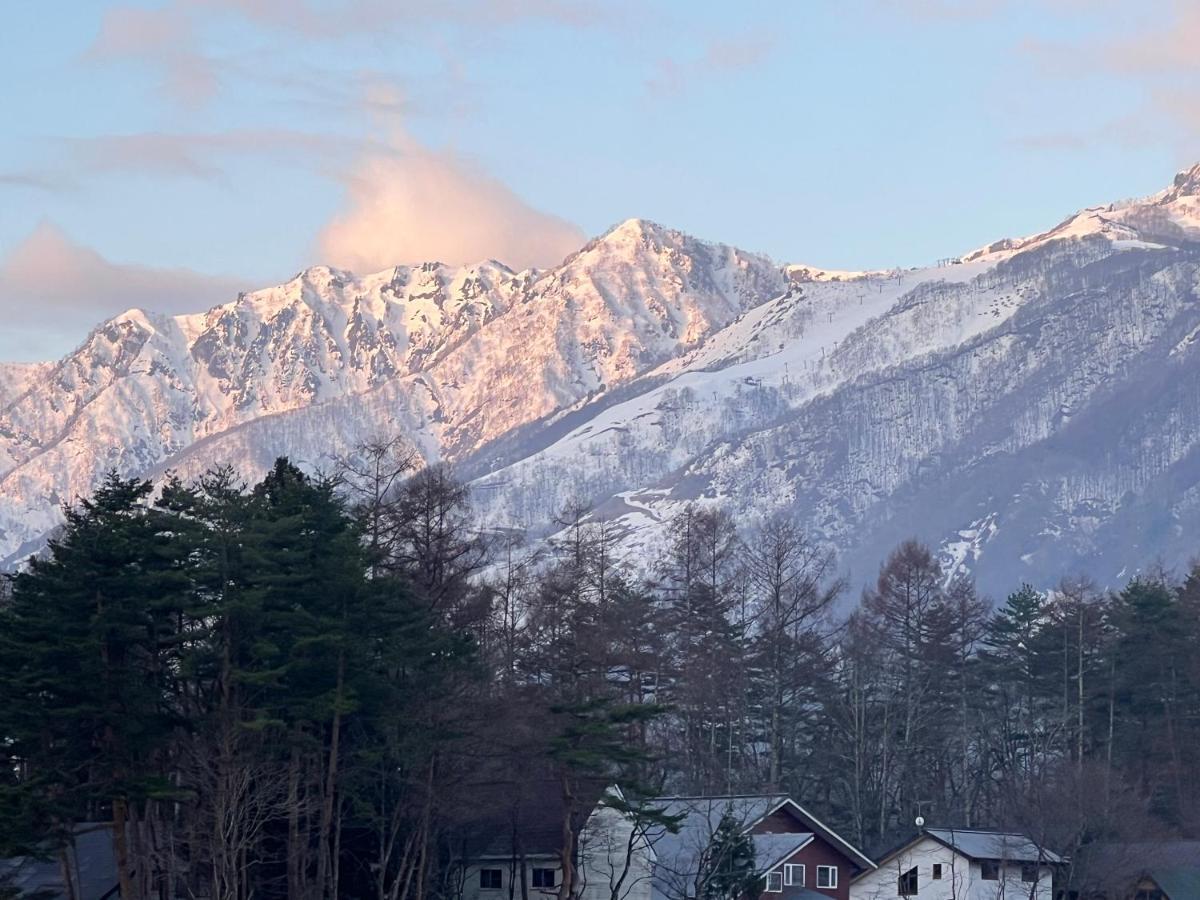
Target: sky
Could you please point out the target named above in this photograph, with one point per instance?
(168, 154)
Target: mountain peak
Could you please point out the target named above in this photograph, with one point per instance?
(633, 230)
(1187, 183)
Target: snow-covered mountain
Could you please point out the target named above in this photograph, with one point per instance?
(1032, 408)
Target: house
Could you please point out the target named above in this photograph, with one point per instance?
(961, 864)
(1159, 870)
(513, 852)
(796, 856)
(91, 865)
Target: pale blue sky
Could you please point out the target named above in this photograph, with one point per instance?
(166, 153)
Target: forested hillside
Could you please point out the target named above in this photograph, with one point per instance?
(297, 688)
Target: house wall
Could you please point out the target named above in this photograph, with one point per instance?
(510, 875)
(613, 864)
(816, 853)
(961, 878)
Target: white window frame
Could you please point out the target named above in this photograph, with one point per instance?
(789, 875)
(827, 870)
(771, 880)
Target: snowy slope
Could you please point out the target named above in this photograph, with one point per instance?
(968, 403)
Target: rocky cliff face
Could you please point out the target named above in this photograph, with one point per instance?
(1031, 409)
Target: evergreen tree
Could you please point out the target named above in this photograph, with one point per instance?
(728, 868)
(90, 647)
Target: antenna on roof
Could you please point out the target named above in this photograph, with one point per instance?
(920, 821)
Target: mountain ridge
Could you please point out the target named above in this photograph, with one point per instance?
(684, 363)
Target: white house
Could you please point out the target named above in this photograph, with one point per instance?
(513, 850)
(961, 864)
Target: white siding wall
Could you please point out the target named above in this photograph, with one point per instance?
(602, 854)
(472, 891)
(609, 862)
(961, 879)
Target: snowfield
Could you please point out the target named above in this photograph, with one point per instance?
(1029, 408)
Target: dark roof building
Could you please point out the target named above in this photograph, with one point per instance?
(1151, 870)
(92, 864)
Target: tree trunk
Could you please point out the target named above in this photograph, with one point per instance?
(326, 867)
(294, 857)
(121, 848)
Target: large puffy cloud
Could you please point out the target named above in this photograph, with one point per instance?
(52, 290)
(417, 205)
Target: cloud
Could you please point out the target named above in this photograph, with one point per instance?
(35, 180)
(52, 290)
(170, 38)
(723, 55)
(198, 154)
(1160, 61)
(165, 38)
(416, 204)
(371, 16)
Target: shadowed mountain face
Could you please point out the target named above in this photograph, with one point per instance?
(1032, 409)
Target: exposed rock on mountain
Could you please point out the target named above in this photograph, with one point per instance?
(1031, 408)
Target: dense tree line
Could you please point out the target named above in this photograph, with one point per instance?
(302, 688)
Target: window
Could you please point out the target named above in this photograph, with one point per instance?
(490, 879)
(826, 876)
(774, 882)
(989, 870)
(544, 878)
(908, 883)
(937, 871)
(793, 876)
(1029, 873)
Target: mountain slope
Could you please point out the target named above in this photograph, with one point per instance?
(1030, 408)
(448, 358)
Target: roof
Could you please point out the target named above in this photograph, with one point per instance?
(520, 817)
(753, 808)
(95, 868)
(772, 849)
(678, 855)
(1178, 884)
(978, 843)
(1173, 865)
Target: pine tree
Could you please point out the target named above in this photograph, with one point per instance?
(728, 868)
(90, 643)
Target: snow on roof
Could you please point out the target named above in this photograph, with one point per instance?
(772, 849)
(678, 856)
(978, 844)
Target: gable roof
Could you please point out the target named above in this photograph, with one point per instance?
(772, 849)
(751, 809)
(979, 843)
(827, 833)
(91, 852)
(1173, 865)
(679, 854)
(519, 817)
(975, 843)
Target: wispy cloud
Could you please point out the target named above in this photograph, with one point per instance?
(37, 180)
(358, 16)
(165, 38)
(169, 38)
(1160, 60)
(53, 289)
(721, 56)
(202, 155)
